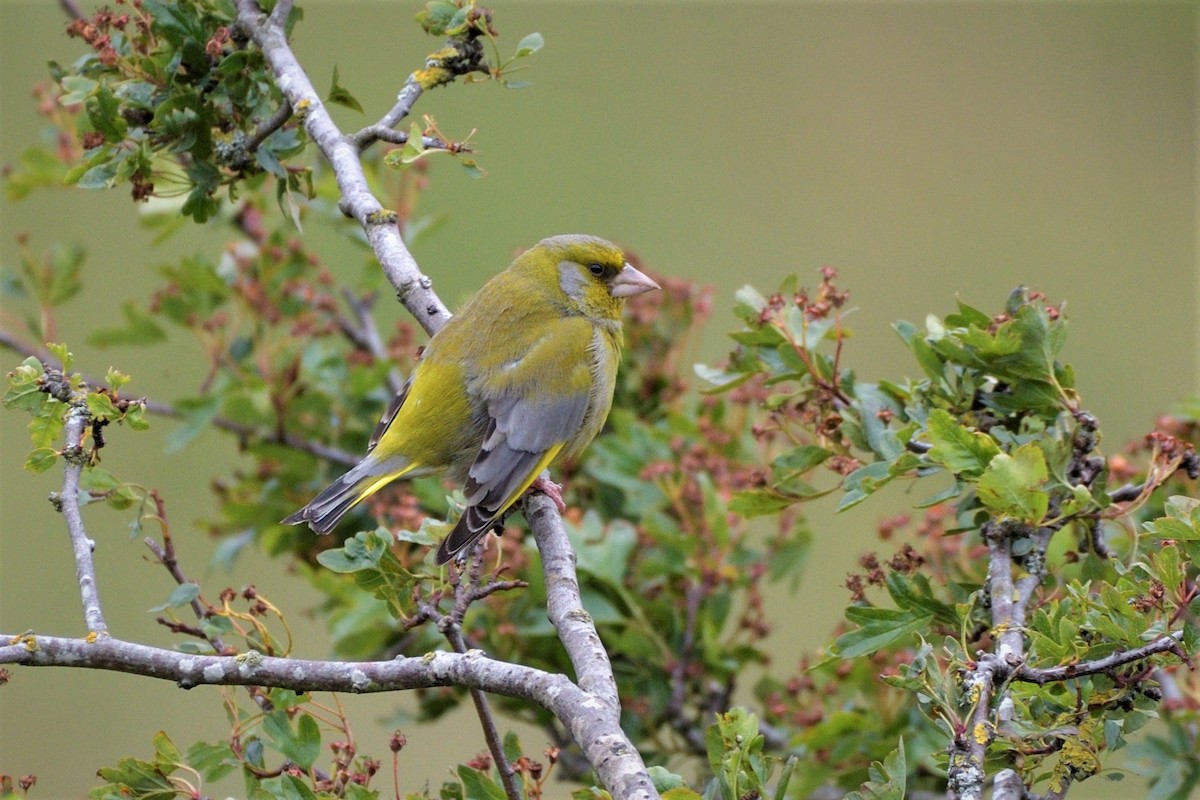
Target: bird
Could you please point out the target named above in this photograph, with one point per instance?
(519, 379)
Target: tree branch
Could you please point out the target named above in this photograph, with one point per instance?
(81, 545)
(412, 287)
(385, 128)
(617, 764)
(1042, 676)
(589, 709)
(577, 632)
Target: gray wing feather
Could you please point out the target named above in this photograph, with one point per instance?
(390, 413)
(518, 435)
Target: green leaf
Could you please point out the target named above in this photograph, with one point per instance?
(959, 450)
(301, 746)
(530, 44)
(100, 406)
(886, 781)
(512, 746)
(1011, 485)
(665, 780)
(184, 593)
(47, 424)
(758, 502)
(362, 552)
(340, 95)
(478, 786)
(104, 112)
(98, 479)
(116, 379)
(801, 459)
(40, 459)
(878, 628)
(77, 89)
(135, 417)
(212, 761)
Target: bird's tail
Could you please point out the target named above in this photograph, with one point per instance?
(325, 510)
(474, 523)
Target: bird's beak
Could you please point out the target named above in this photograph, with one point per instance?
(630, 281)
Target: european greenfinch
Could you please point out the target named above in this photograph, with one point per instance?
(521, 377)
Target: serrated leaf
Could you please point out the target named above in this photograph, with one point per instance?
(46, 424)
(962, 451)
(887, 779)
(212, 761)
(135, 417)
(878, 628)
(115, 378)
(100, 406)
(1011, 485)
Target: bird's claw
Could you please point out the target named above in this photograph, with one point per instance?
(550, 489)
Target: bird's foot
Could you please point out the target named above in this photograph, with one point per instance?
(550, 489)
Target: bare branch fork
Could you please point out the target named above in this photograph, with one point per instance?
(589, 706)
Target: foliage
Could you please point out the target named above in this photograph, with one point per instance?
(682, 513)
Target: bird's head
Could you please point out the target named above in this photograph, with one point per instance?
(590, 272)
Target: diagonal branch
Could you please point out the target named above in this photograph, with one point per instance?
(610, 752)
(412, 287)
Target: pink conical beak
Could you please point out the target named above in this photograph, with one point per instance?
(630, 281)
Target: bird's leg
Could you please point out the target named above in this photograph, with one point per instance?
(549, 488)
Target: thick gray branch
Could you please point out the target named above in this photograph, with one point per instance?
(617, 764)
(593, 670)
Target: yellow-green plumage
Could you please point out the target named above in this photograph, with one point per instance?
(521, 376)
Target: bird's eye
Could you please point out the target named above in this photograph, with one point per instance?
(596, 269)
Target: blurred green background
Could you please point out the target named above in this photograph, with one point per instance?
(928, 151)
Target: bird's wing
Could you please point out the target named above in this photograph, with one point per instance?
(390, 413)
(533, 412)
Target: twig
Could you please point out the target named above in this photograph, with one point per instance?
(487, 721)
(166, 556)
(72, 9)
(269, 126)
(1042, 676)
(564, 603)
(85, 569)
(366, 334)
(451, 627)
(691, 731)
(618, 762)
(405, 100)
